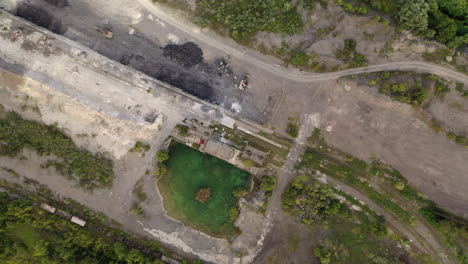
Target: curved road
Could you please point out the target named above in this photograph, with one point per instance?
(253, 57)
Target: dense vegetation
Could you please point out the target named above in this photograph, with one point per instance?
(310, 201)
(453, 229)
(312, 160)
(354, 236)
(408, 87)
(90, 170)
(293, 127)
(245, 18)
(140, 147)
(30, 235)
(392, 184)
(443, 20)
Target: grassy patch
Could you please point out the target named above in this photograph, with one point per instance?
(293, 126)
(438, 56)
(189, 172)
(182, 130)
(88, 169)
(138, 191)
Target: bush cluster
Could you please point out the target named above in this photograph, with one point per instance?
(245, 18)
(90, 170)
(350, 56)
(310, 201)
(443, 20)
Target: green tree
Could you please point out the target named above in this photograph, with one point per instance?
(329, 253)
(239, 192)
(233, 213)
(451, 135)
(268, 183)
(413, 15)
(299, 59)
(40, 248)
(399, 185)
(162, 170)
(455, 8)
(245, 18)
(162, 156)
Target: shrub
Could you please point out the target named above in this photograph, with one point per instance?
(310, 200)
(461, 140)
(379, 229)
(248, 163)
(438, 55)
(162, 156)
(233, 214)
(137, 210)
(436, 126)
(399, 185)
(239, 192)
(268, 183)
(140, 147)
(441, 88)
(299, 59)
(182, 129)
(293, 127)
(196, 145)
(329, 253)
(459, 87)
(162, 170)
(203, 195)
(451, 135)
(350, 56)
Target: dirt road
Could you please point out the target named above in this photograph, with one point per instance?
(265, 63)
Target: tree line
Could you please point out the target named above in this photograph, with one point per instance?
(30, 235)
(88, 169)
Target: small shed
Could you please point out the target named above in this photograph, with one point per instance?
(78, 221)
(219, 150)
(254, 155)
(48, 208)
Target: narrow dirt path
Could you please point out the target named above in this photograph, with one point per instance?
(254, 58)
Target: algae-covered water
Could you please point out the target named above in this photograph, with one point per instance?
(191, 170)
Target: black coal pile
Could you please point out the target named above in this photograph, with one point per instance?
(173, 75)
(187, 55)
(58, 3)
(41, 18)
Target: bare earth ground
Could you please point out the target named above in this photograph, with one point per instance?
(364, 123)
(114, 111)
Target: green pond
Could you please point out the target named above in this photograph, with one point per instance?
(191, 170)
